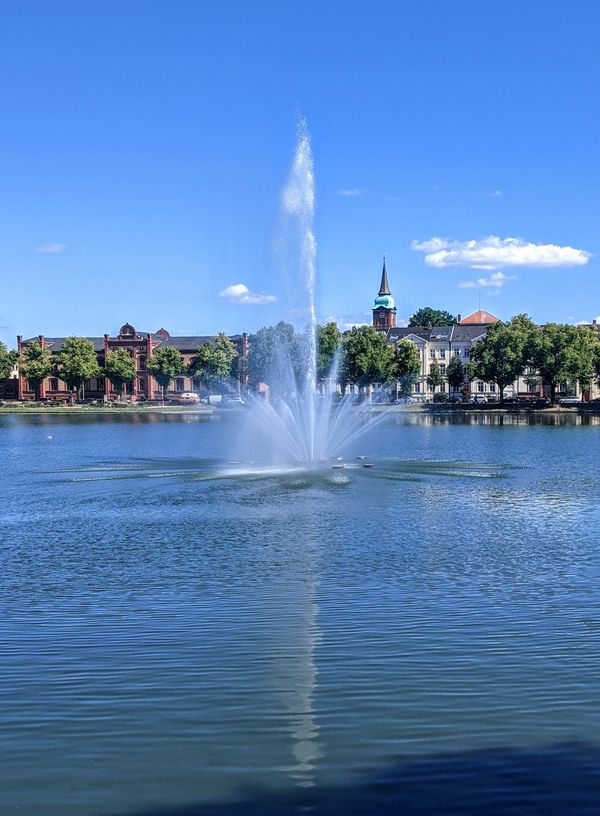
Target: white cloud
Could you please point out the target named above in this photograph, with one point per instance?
(584, 322)
(239, 293)
(494, 194)
(351, 192)
(52, 249)
(496, 279)
(495, 253)
(346, 322)
(433, 245)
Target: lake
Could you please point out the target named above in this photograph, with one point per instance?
(182, 633)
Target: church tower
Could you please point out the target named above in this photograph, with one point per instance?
(384, 311)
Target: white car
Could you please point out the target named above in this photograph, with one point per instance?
(188, 398)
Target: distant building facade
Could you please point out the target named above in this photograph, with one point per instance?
(439, 344)
(140, 345)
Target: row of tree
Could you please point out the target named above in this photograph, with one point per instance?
(77, 361)
(558, 352)
(361, 357)
(281, 357)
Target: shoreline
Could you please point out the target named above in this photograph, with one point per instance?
(123, 410)
(208, 410)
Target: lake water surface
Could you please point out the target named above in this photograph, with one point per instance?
(181, 633)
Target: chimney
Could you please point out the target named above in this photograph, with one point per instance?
(458, 318)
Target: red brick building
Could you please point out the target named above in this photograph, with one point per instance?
(140, 345)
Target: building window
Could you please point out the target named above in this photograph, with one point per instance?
(142, 363)
(492, 387)
(442, 368)
(141, 385)
(432, 354)
(179, 384)
(431, 387)
(196, 384)
(417, 388)
(99, 384)
(457, 352)
(443, 388)
(53, 384)
(442, 354)
(480, 386)
(466, 352)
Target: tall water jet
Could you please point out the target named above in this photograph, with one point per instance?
(298, 203)
(296, 421)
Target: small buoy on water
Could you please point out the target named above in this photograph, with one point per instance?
(369, 465)
(49, 436)
(362, 457)
(338, 467)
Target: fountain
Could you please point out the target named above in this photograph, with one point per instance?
(303, 421)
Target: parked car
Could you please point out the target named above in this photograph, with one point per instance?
(569, 401)
(188, 398)
(478, 399)
(235, 399)
(213, 399)
(405, 401)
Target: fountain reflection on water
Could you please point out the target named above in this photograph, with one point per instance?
(300, 421)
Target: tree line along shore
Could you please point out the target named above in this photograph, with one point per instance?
(563, 357)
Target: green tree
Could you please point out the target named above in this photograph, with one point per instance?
(76, 362)
(278, 357)
(366, 358)
(407, 366)
(456, 373)
(435, 377)
(8, 360)
(119, 367)
(437, 317)
(164, 365)
(564, 353)
(328, 342)
(213, 362)
(503, 353)
(35, 363)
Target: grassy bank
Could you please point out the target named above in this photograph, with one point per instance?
(123, 408)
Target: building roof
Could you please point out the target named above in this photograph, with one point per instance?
(440, 334)
(384, 299)
(384, 288)
(467, 333)
(54, 344)
(188, 343)
(482, 317)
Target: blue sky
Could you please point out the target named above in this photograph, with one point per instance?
(144, 147)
